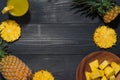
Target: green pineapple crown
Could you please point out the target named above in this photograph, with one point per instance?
(94, 6)
(3, 48)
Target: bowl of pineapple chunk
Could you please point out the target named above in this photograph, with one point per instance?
(99, 65)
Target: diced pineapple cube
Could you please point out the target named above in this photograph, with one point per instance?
(112, 77)
(108, 71)
(94, 65)
(104, 78)
(116, 67)
(87, 75)
(101, 72)
(104, 71)
(95, 74)
(104, 64)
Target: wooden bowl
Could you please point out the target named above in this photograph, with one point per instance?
(101, 56)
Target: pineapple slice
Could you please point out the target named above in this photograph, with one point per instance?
(105, 37)
(96, 74)
(104, 64)
(108, 71)
(43, 75)
(115, 67)
(87, 75)
(101, 72)
(94, 65)
(10, 30)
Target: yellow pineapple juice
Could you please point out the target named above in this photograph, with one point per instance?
(16, 7)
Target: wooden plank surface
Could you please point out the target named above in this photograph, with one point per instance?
(58, 39)
(55, 38)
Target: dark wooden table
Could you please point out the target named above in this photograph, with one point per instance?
(54, 38)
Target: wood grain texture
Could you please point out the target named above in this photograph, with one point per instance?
(63, 38)
(55, 38)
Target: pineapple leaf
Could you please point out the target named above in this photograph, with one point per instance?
(2, 54)
(3, 45)
(3, 48)
(94, 6)
(100, 10)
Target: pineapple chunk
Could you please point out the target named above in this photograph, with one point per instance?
(94, 65)
(115, 67)
(108, 71)
(112, 77)
(104, 71)
(95, 74)
(104, 64)
(101, 72)
(104, 78)
(87, 75)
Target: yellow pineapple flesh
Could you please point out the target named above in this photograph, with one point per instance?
(12, 68)
(43, 75)
(111, 14)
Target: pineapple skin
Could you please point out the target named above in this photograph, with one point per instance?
(111, 14)
(12, 68)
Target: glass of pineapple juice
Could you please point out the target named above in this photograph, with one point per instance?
(16, 7)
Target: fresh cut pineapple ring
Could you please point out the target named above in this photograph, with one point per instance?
(43, 75)
(105, 37)
(10, 30)
(16, 7)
